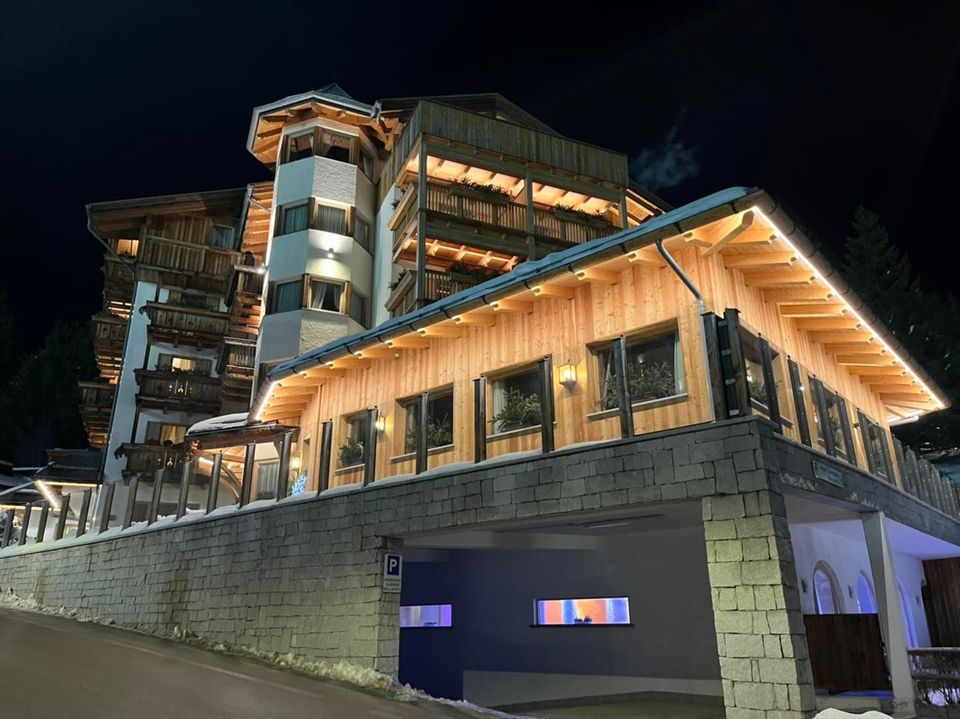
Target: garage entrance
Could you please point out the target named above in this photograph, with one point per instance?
(537, 616)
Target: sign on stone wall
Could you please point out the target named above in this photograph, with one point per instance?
(392, 572)
(830, 475)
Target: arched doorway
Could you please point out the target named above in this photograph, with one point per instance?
(826, 590)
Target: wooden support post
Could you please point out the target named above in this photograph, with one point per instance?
(714, 368)
(480, 419)
(734, 367)
(154, 509)
(770, 384)
(134, 489)
(624, 218)
(421, 284)
(84, 512)
(530, 216)
(246, 483)
(283, 471)
(25, 524)
(370, 448)
(618, 353)
(107, 506)
(545, 366)
(214, 489)
(185, 478)
(421, 449)
(62, 517)
(7, 528)
(326, 453)
(42, 523)
(797, 386)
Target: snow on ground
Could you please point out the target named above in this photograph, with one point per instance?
(340, 671)
(837, 714)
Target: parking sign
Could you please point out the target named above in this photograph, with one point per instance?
(392, 572)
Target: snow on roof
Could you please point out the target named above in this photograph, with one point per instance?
(218, 424)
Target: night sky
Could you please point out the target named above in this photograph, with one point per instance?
(827, 106)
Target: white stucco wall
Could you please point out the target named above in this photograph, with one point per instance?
(841, 545)
(383, 268)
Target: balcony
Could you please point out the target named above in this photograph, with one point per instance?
(109, 333)
(179, 324)
(235, 368)
(195, 266)
(178, 390)
(438, 285)
(150, 457)
(96, 405)
(243, 298)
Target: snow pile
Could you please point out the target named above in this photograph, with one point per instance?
(837, 714)
(218, 424)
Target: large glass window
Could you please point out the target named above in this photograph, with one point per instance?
(351, 451)
(516, 401)
(601, 610)
(287, 296)
(336, 146)
(426, 615)
(359, 309)
(295, 218)
(166, 434)
(832, 412)
(865, 599)
(332, 219)
(187, 365)
(654, 370)
(325, 295)
(439, 420)
(361, 232)
(268, 474)
(299, 146)
(875, 447)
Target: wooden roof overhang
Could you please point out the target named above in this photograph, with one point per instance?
(123, 218)
(256, 433)
(743, 227)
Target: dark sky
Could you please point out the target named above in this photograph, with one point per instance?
(826, 105)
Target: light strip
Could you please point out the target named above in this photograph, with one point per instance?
(47, 494)
(263, 405)
(780, 234)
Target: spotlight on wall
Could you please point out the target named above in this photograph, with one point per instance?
(380, 424)
(568, 375)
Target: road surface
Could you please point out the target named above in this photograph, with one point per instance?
(54, 667)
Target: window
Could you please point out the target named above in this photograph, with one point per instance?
(287, 296)
(602, 610)
(359, 309)
(361, 232)
(161, 433)
(331, 219)
(352, 449)
(187, 365)
(426, 615)
(875, 447)
(299, 146)
(516, 401)
(439, 421)
(325, 295)
(223, 236)
(336, 146)
(865, 599)
(267, 475)
(366, 162)
(654, 370)
(825, 590)
(127, 248)
(833, 424)
(294, 218)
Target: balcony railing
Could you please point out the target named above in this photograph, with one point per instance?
(97, 395)
(166, 254)
(202, 324)
(179, 386)
(151, 457)
(936, 674)
(571, 227)
(108, 328)
(477, 206)
(438, 285)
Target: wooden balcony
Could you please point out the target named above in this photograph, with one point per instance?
(246, 291)
(178, 390)
(179, 324)
(235, 367)
(186, 264)
(96, 405)
(149, 458)
(109, 333)
(438, 285)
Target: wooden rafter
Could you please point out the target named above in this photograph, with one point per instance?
(812, 293)
(602, 277)
(759, 260)
(779, 279)
(552, 290)
(818, 309)
(746, 221)
(512, 305)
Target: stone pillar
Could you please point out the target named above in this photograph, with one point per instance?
(888, 608)
(761, 640)
(387, 622)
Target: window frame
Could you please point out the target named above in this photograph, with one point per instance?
(216, 235)
(347, 423)
(311, 133)
(310, 280)
(314, 205)
(501, 375)
(161, 425)
(280, 230)
(821, 394)
(165, 362)
(409, 406)
(366, 313)
(885, 461)
(272, 295)
(360, 221)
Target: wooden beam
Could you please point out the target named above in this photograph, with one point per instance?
(348, 363)
(646, 256)
(893, 371)
(754, 260)
(904, 389)
(299, 381)
(827, 323)
(812, 293)
(825, 309)
(849, 336)
(869, 348)
(746, 221)
(408, 342)
(779, 279)
(601, 277)
(441, 330)
(477, 319)
(550, 290)
(903, 380)
(509, 305)
(376, 353)
(928, 406)
(694, 240)
(900, 397)
(865, 360)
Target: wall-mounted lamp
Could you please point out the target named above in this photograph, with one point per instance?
(380, 424)
(568, 375)
(295, 463)
(803, 586)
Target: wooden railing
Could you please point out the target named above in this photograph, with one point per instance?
(472, 205)
(438, 285)
(178, 386)
(249, 280)
(97, 395)
(921, 479)
(149, 457)
(179, 256)
(936, 674)
(188, 320)
(237, 354)
(570, 227)
(108, 328)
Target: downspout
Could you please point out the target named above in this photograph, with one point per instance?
(701, 311)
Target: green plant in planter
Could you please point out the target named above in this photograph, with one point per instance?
(645, 381)
(480, 273)
(439, 433)
(757, 389)
(560, 207)
(490, 189)
(519, 410)
(351, 452)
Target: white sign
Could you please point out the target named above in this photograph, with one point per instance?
(392, 572)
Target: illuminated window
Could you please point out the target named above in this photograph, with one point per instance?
(599, 610)
(654, 370)
(336, 146)
(127, 248)
(165, 434)
(267, 475)
(426, 615)
(331, 219)
(351, 452)
(186, 365)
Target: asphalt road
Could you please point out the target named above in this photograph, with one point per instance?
(54, 667)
